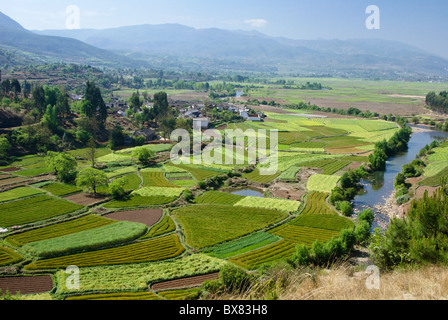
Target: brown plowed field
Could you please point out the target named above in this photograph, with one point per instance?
(11, 181)
(10, 169)
(85, 199)
(26, 285)
(185, 282)
(148, 217)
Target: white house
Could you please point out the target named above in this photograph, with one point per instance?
(202, 123)
(254, 118)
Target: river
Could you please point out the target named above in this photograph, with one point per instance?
(379, 186)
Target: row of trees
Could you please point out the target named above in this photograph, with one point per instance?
(385, 149)
(438, 102)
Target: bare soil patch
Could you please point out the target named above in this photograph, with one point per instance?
(10, 169)
(11, 181)
(148, 217)
(287, 191)
(184, 283)
(26, 285)
(420, 191)
(86, 199)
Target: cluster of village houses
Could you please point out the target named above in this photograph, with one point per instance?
(187, 110)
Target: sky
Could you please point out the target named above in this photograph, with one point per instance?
(416, 22)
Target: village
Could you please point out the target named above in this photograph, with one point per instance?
(199, 113)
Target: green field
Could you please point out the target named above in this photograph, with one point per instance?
(87, 240)
(59, 230)
(240, 246)
(269, 203)
(19, 193)
(207, 225)
(8, 257)
(34, 209)
(322, 183)
(145, 251)
(138, 201)
(137, 277)
(59, 189)
(315, 204)
(166, 225)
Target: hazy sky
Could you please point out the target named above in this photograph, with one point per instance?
(417, 22)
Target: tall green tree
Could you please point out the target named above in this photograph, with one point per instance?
(62, 164)
(38, 94)
(98, 107)
(91, 179)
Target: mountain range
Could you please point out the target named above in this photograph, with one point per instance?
(174, 46)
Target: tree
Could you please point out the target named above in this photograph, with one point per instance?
(91, 152)
(98, 107)
(38, 94)
(135, 103)
(5, 147)
(63, 164)
(117, 190)
(50, 118)
(116, 137)
(91, 179)
(143, 155)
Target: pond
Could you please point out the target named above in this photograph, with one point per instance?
(248, 192)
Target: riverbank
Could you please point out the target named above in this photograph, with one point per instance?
(390, 208)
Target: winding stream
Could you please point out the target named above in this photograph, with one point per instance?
(380, 185)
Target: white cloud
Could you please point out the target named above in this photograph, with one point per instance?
(256, 23)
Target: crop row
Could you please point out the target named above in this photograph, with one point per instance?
(240, 246)
(34, 209)
(165, 226)
(137, 277)
(290, 174)
(8, 257)
(137, 296)
(58, 230)
(323, 221)
(156, 179)
(159, 191)
(304, 235)
(269, 203)
(88, 240)
(315, 204)
(276, 251)
(255, 176)
(322, 183)
(19, 193)
(206, 225)
(138, 201)
(146, 251)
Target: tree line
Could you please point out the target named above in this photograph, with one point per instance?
(437, 102)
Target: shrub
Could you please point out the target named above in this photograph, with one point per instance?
(234, 279)
(362, 231)
(367, 215)
(116, 188)
(346, 208)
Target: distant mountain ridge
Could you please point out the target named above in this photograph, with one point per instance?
(19, 44)
(178, 47)
(318, 56)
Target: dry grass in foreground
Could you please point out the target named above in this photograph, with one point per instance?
(342, 283)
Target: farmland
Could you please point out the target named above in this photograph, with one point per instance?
(180, 223)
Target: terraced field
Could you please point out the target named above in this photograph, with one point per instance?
(207, 225)
(145, 251)
(34, 209)
(121, 257)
